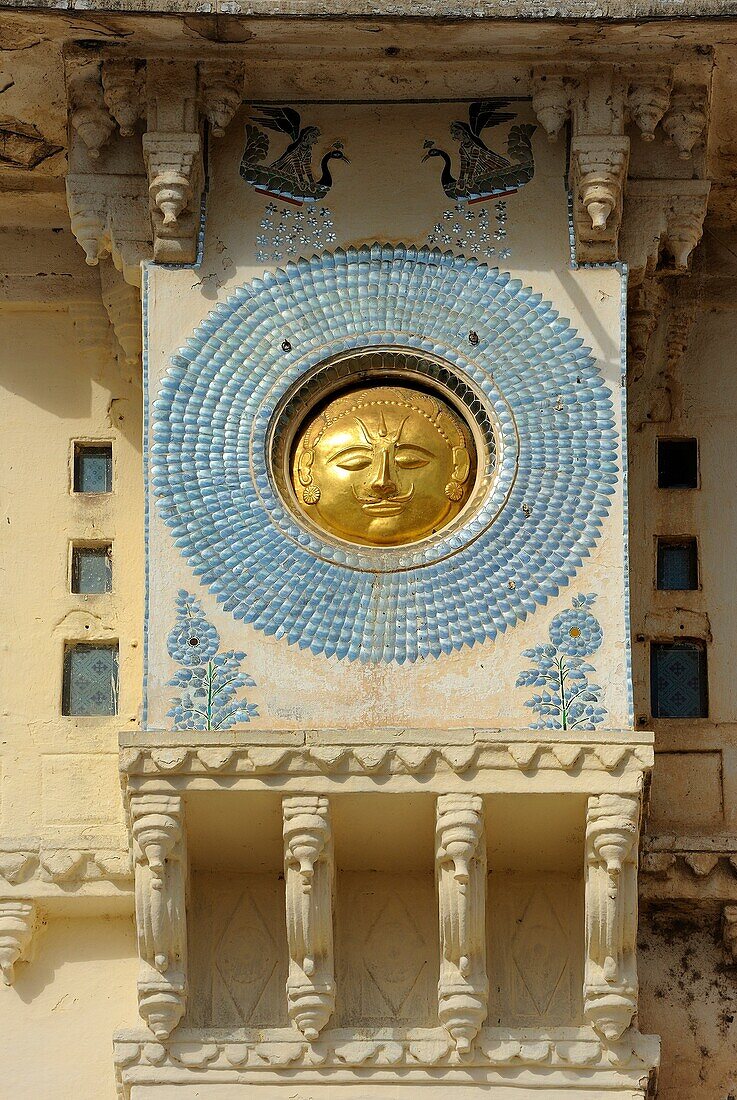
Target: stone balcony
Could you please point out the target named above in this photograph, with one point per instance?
(458, 906)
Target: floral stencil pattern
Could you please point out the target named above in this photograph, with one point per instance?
(209, 680)
(567, 700)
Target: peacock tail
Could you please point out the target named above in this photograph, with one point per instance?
(519, 141)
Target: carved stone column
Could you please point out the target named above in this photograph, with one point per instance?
(463, 986)
(308, 873)
(17, 922)
(610, 983)
(160, 881)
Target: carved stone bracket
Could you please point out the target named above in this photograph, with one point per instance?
(648, 100)
(160, 882)
(463, 987)
(687, 117)
(662, 216)
(308, 871)
(552, 96)
(123, 86)
(598, 175)
(221, 93)
(17, 922)
(610, 984)
(88, 114)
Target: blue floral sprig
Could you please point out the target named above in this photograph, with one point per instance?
(209, 680)
(567, 700)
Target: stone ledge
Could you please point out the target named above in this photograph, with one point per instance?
(541, 1057)
(47, 868)
(700, 870)
(584, 761)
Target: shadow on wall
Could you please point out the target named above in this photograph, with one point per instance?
(72, 946)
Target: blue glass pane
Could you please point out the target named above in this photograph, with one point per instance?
(90, 680)
(91, 569)
(93, 470)
(677, 569)
(678, 680)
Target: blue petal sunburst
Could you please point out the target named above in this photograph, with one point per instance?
(556, 466)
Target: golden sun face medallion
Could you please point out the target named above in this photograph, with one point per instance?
(383, 465)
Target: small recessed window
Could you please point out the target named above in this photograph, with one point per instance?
(678, 687)
(90, 680)
(92, 569)
(677, 565)
(93, 468)
(678, 464)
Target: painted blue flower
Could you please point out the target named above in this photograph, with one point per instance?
(576, 632)
(209, 681)
(193, 640)
(567, 699)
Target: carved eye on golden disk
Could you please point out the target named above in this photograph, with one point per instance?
(383, 465)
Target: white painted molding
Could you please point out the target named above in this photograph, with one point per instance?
(541, 1060)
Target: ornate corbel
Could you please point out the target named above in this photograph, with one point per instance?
(552, 95)
(648, 100)
(687, 117)
(460, 860)
(17, 924)
(172, 151)
(643, 308)
(221, 93)
(598, 174)
(610, 983)
(662, 216)
(598, 164)
(308, 873)
(160, 885)
(88, 115)
(123, 83)
(122, 303)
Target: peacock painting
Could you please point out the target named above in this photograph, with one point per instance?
(482, 173)
(290, 177)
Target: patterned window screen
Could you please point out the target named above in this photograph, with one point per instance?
(90, 680)
(677, 565)
(678, 685)
(93, 468)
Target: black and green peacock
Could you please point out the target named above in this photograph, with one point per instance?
(290, 176)
(482, 173)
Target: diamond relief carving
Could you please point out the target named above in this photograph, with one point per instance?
(540, 950)
(246, 956)
(395, 953)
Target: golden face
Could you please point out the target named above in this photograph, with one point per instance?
(383, 465)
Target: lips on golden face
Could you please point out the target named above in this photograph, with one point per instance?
(382, 465)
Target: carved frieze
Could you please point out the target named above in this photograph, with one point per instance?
(610, 983)
(160, 884)
(463, 987)
(308, 871)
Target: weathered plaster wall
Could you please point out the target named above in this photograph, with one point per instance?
(61, 382)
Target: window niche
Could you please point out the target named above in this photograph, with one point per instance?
(677, 565)
(93, 468)
(90, 680)
(91, 568)
(678, 680)
(678, 464)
